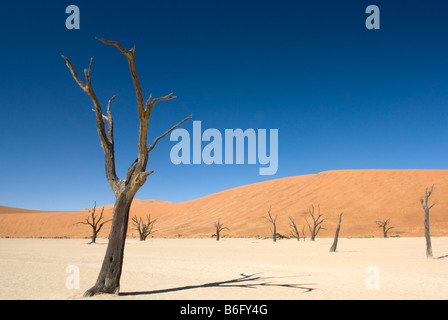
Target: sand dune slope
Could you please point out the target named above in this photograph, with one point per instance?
(364, 196)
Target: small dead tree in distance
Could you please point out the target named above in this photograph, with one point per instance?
(219, 227)
(108, 280)
(336, 235)
(273, 221)
(144, 228)
(317, 222)
(427, 207)
(95, 223)
(294, 229)
(383, 224)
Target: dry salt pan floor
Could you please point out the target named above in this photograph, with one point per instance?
(395, 268)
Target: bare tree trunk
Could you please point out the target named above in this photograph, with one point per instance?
(428, 236)
(336, 236)
(273, 221)
(294, 230)
(94, 235)
(109, 278)
(426, 207)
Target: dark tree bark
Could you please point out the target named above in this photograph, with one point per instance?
(109, 277)
(427, 207)
(273, 221)
(144, 228)
(383, 225)
(317, 223)
(95, 223)
(336, 235)
(218, 228)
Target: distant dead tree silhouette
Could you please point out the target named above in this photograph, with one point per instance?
(273, 221)
(383, 224)
(108, 280)
(295, 230)
(317, 222)
(427, 207)
(218, 228)
(95, 222)
(144, 227)
(336, 236)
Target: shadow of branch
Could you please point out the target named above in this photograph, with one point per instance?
(250, 281)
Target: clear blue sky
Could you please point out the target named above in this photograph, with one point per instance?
(341, 96)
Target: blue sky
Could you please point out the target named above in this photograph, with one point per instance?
(341, 96)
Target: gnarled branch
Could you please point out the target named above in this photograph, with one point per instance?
(166, 133)
(110, 122)
(106, 143)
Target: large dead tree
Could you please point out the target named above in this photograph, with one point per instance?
(317, 223)
(143, 227)
(383, 224)
(124, 189)
(273, 221)
(95, 223)
(427, 207)
(336, 235)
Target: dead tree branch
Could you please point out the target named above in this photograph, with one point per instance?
(273, 221)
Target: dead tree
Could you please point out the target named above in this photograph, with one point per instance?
(124, 189)
(317, 223)
(144, 228)
(294, 229)
(383, 224)
(427, 207)
(219, 227)
(273, 221)
(336, 235)
(95, 223)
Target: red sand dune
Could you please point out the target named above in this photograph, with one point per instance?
(364, 196)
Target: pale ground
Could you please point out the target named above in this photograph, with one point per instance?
(234, 269)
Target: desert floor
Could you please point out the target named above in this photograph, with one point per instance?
(394, 268)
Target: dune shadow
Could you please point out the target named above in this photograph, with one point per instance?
(251, 281)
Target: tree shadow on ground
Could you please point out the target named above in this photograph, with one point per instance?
(251, 281)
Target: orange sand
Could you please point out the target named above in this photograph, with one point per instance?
(363, 195)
